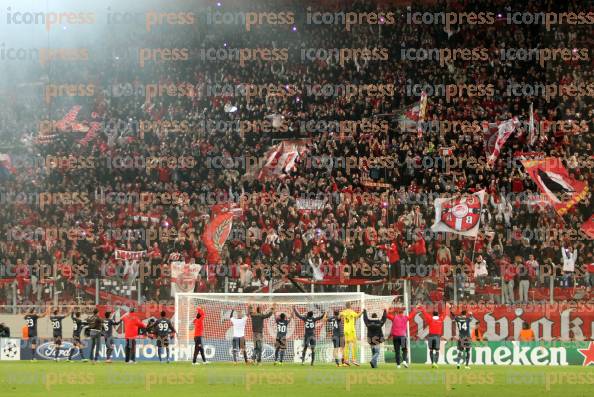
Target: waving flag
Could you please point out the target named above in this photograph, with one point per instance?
(282, 158)
(422, 114)
(90, 133)
(69, 118)
(532, 132)
(588, 227)
(459, 215)
(496, 139)
(411, 120)
(183, 276)
(216, 233)
(552, 179)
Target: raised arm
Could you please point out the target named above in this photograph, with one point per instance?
(297, 314)
(425, 314)
(270, 311)
(384, 317)
(200, 312)
(365, 319)
(411, 315)
(45, 313)
(446, 312)
(452, 315)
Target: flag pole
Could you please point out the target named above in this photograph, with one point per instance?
(475, 237)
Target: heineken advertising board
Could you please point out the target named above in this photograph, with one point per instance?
(508, 353)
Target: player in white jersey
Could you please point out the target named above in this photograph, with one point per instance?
(238, 321)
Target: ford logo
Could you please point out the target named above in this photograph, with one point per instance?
(47, 350)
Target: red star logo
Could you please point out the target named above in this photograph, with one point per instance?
(588, 354)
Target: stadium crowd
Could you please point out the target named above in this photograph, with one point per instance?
(368, 224)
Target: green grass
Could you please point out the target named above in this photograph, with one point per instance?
(47, 378)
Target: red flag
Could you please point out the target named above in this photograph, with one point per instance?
(91, 133)
(69, 118)
(588, 227)
(461, 215)
(551, 177)
(216, 233)
(282, 158)
(496, 140)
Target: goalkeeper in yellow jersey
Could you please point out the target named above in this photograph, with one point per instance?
(349, 317)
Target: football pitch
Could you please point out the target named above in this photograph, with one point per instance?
(48, 378)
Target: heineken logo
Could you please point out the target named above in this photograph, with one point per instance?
(512, 353)
(588, 354)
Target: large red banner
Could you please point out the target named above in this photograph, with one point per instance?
(551, 177)
(216, 233)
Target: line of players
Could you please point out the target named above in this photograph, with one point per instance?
(341, 324)
(97, 328)
(343, 334)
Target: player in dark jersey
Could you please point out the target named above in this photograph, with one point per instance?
(280, 345)
(77, 326)
(31, 323)
(464, 339)
(309, 338)
(108, 326)
(163, 329)
(337, 332)
(258, 318)
(56, 321)
(95, 325)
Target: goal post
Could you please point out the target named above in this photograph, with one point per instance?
(218, 330)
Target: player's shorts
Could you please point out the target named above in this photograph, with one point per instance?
(33, 340)
(57, 340)
(76, 340)
(433, 341)
(198, 341)
(350, 337)
(163, 341)
(281, 343)
(309, 341)
(464, 343)
(238, 343)
(109, 341)
(337, 341)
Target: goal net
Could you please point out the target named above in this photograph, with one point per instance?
(218, 330)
